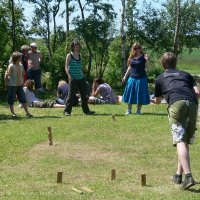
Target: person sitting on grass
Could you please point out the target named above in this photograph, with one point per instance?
(181, 93)
(14, 78)
(62, 92)
(33, 101)
(102, 93)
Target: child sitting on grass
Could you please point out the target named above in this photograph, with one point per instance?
(33, 101)
(14, 78)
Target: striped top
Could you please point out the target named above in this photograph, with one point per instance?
(75, 68)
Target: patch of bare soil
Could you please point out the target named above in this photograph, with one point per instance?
(65, 150)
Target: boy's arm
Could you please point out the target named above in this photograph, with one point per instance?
(8, 73)
(197, 91)
(156, 100)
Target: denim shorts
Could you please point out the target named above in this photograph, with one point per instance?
(13, 91)
(182, 118)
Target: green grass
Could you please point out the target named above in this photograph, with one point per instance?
(190, 62)
(86, 148)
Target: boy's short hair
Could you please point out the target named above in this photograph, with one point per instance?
(16, 56)
(169, 60)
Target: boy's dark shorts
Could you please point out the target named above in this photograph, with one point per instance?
(13, 91)
(183, 117)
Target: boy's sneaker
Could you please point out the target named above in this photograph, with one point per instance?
(187, 183)
(14, 116)
(28, 115)
(176, 179)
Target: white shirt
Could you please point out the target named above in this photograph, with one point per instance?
(30, 96)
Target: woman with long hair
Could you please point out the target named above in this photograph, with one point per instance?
(136, 90)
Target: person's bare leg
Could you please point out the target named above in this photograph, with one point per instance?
(12, 109)
(183, 157)
(139, 106)
(179, 169)
(129, 107)
(25, 108)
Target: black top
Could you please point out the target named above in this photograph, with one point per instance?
(138, 67)
(175, 85)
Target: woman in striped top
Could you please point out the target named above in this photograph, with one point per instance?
(77, 80)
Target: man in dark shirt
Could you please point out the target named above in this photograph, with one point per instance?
(181, 94)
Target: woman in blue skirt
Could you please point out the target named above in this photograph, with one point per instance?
(136, 91)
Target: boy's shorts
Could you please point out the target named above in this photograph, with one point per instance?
(183, 117)
(13, 91)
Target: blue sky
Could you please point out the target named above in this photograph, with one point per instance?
(116, 3)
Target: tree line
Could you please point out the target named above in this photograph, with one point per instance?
(172, 26)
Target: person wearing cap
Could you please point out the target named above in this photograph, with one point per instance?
(34, 71)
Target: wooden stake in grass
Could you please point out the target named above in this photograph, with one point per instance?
(59, 177)
(77, 191)
(113, 174)
(50, 136)
(143, 179)
(86, 189)
(113, 117)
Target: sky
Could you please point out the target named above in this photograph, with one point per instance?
(28, 10)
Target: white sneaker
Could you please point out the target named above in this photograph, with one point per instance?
(128, 112)
(20, 106)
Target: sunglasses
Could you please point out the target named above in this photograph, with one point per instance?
(135, 48)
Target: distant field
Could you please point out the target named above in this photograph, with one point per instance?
(190, 62)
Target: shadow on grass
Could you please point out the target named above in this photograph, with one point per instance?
(159, 114)
(194, 190)
(97, 114)
(108, 114)
(45, 116)
(8, 117)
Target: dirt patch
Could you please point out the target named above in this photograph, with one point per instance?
(63, 150)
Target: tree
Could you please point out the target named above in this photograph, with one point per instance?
(177, 28)
(184, 23)
(45, 11)
(13, 27)
(95, 29)
(123, 37)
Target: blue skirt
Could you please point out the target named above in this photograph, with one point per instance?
(136, 91)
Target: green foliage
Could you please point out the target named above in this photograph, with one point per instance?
(97, 31)
(113, 73)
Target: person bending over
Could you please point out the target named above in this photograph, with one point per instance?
(181, 93)
(102, 93)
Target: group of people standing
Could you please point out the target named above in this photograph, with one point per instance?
(179, 89)
(22, 66)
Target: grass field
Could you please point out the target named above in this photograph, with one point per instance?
(86, 149)
(190, 62)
